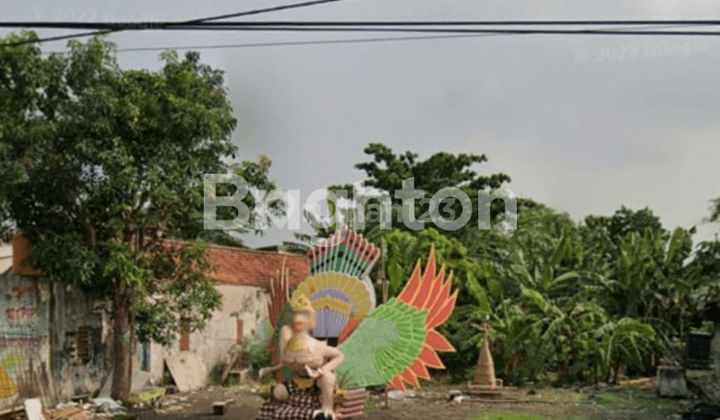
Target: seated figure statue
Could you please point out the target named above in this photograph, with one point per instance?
(310, 394)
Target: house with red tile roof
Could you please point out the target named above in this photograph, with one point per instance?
(242, 276)
(249, 267)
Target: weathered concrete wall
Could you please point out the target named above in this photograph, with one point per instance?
(24, 339)
(78, 351)
(51, 327)
(245, 303)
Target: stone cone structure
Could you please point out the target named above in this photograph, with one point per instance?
(485, 368)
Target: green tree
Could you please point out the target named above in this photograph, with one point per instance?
(387, 171)
(21, 77)
(113, 163)
(257, 175)
(643, 274)
(625, 221)
(705, 267)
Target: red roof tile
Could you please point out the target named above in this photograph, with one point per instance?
(246, 267)
(234, 266)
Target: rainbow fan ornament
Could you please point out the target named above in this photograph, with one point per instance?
(337, 299)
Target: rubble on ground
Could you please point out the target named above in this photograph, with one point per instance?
(456, 396)
(98, 408)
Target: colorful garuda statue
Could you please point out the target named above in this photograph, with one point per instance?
(329, 342)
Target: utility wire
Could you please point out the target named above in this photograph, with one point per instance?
(317, 42)
(709, 22)
(208, 22)
(296, 43)
(53, 38)
(241, 28)
(265, 10)
(205, 24)
(358, 27)
(148, 25)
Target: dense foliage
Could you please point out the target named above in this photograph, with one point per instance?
(567, 302)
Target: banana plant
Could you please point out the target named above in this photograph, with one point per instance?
(623, 342)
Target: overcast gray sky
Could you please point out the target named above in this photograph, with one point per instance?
(583, 124)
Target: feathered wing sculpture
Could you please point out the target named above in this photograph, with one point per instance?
(278, 308)
(344, 252)
(394, 343)
(397, 342)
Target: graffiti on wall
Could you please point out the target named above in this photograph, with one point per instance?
(23, 332)
(77, 351)
(21, 309)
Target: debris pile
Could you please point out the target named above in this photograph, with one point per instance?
(173, 404)
(96, 409)
(456, 396)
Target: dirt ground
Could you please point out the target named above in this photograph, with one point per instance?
(631, 401)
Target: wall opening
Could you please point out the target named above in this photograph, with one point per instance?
(145, 362)
(239, 331)
(185, 337)
(83, 344)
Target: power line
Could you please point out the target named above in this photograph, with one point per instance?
(265, 10)
(491, 22)
(376, 26)
(297, 43)
(208, 22)
(358, 27)
(317, 42)
(242, 28)
(53, 38)
(187, 22)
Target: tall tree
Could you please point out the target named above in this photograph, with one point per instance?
(626, 221)
(112, 166)
(21, 76)
(387, 171)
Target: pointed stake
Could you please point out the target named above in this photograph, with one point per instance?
(387, 399)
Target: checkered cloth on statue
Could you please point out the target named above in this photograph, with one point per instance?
(300, 405)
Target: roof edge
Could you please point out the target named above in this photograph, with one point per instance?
(238, 249)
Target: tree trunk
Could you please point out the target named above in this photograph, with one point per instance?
(617, 373)
(122, 343)
(595, 373)
(608, 374)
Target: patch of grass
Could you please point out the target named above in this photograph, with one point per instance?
(635, 404)
(633, 398)
(613, 398)
(233, 381)
(216, 374)
(521, 416)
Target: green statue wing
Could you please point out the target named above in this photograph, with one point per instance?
(384, 345)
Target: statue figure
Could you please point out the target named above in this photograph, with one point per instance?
(312, 360)
(393, 344)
